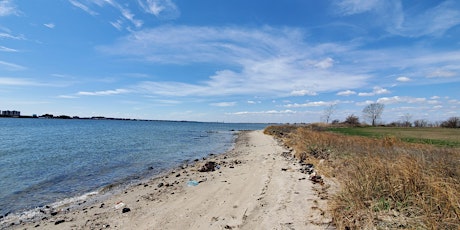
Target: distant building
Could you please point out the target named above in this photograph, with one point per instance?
(8, 113)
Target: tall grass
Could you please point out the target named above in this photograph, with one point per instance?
(384, 183)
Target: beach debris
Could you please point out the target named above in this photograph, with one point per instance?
(119, 205)
(316, 179)
(59, 222)
(209, 167)
(307, 169)
(192, 183)
(125, 210)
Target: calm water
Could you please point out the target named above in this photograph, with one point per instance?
(43, 161)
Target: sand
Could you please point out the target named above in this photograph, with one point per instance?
(256, 185)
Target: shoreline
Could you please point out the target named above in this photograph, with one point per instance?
(253, 184)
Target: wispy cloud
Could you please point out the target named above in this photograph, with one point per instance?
(267, 60)
(311, 104)
(376, 91)
(224, 104)
(125, 12)
(50, 25)
(401, 99)
(8, 8)
(6, 49)
(346, 93)
(18, 82)
(103, 93)
(83, 7)
(433, 21)
(11, 66)
(163, 9)
(264, 112)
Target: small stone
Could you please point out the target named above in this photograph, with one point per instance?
(160, 185)
(59, 222)
(125, 210)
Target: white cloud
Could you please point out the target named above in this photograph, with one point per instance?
(83, 7)
(8, 8)
(164, 9)
(6, 49)
(403, 79)
(363, 103)
(350, 7)
(67, 96)
(311, 104)
(346, 93)
(441, 73)
(18, 82)
(403, 99)
(432, 22)
(264, 61)
(50, 25)
(376, 91)
(303, 92)
(265, 112)
(104, 93)
(224, 104)
(325, 64)
(11, 66)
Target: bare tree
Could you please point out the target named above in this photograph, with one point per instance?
(327, 114)
(373, 112)
(406, 120)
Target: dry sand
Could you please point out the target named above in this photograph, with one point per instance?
(258, 186)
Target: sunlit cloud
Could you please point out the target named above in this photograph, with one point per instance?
(346, 93)
(403, 79)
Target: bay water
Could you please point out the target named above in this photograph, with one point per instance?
(43, 161)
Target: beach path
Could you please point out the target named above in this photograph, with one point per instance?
(256, 186)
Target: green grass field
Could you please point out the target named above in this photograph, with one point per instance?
(435, 136)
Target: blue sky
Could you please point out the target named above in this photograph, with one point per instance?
(232, 61)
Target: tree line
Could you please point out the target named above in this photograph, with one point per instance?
(373, 112)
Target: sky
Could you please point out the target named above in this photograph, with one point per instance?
(283, 61)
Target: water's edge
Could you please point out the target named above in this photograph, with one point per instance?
(83, 201)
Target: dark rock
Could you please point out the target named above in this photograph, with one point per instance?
(125, 210)
(59, 222)
(54, 213)
(160, 185)
(208, 166)
(178, 175)
(150, 168)
(102, 205)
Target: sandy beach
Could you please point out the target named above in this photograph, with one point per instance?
(256, 185)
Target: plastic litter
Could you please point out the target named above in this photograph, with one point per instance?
(119, 205)
(192, 183)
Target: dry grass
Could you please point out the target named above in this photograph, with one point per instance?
(384, 183)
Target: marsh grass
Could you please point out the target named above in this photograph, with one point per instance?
(385, 183)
